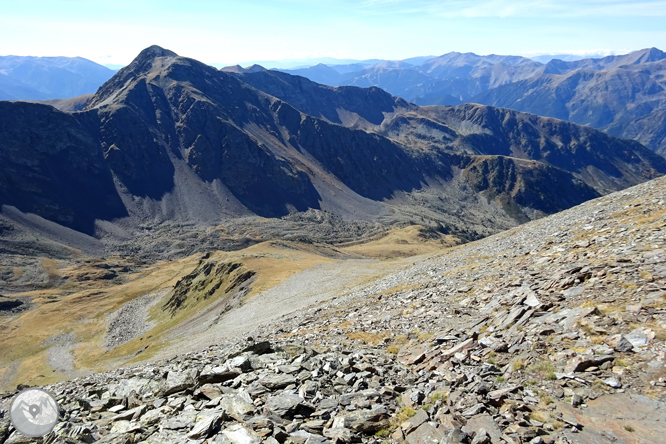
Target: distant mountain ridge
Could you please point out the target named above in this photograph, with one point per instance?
(45, 78)
(620, 94)
(170, 139)
(625, 100)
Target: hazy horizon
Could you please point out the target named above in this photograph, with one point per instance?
(236, 32)
(331, 61)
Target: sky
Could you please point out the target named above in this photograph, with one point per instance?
(231, 31)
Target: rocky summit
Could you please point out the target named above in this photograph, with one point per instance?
(551, 332)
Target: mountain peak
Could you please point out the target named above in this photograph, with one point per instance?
(153, 52)
(141, 65)
(654, 54)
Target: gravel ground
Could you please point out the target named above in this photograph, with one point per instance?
(60, 356)
(131, 320)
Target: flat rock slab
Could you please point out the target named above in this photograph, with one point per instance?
(426, 434)
(277, 381)
(485, 421)
(610, 414)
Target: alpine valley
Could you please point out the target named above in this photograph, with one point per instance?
(244, 255)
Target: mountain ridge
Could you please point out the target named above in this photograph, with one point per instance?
(182, 142)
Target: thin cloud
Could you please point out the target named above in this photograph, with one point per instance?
(518, 8)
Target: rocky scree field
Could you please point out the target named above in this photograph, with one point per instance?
(552, 332)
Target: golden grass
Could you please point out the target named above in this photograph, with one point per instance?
(540, 416)
(369, 338)
(82, 313)
(401, 243)
(397, 344)
(80, 305)
(401, 416)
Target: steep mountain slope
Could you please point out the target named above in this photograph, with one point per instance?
(622, 95)
(44, 78)
(605, 163)
(551, 332)
(51, 166)
(614, 99)
(170, 140)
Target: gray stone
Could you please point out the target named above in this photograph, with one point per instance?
(340, 434)
(576, 400)
(314, 426)
(613, 382)
(316, 439)
(125, 427)
(140, 386)
(637, 338)
(240, 362)
(177, 381)
(283, 405)
(237, 406)
(238, 434)
(619, 343)
(204, 427)
(152, 417)
(212, 375)
(455, 436)
(414, 422)
(365, 421)
(133, 414)
(532, 300)
(488, 424)
(308, 389)
(581, 363)
(474, 410)
(426, 434)
(277, 381)
(176, 423)
(500, 394)
(481, 437)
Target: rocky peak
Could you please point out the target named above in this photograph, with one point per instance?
(152, 52)
(141, 65)
(654, 55)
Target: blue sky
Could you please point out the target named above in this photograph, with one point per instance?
(230, 31)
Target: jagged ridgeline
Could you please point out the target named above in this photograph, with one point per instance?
(171, 140)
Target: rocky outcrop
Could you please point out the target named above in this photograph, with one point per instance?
(208, 279)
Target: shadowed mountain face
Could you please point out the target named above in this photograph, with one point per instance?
(171, 139)
(51, 166)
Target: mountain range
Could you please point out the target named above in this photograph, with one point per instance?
(620, 94)
(169, 139)
(45, 78)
